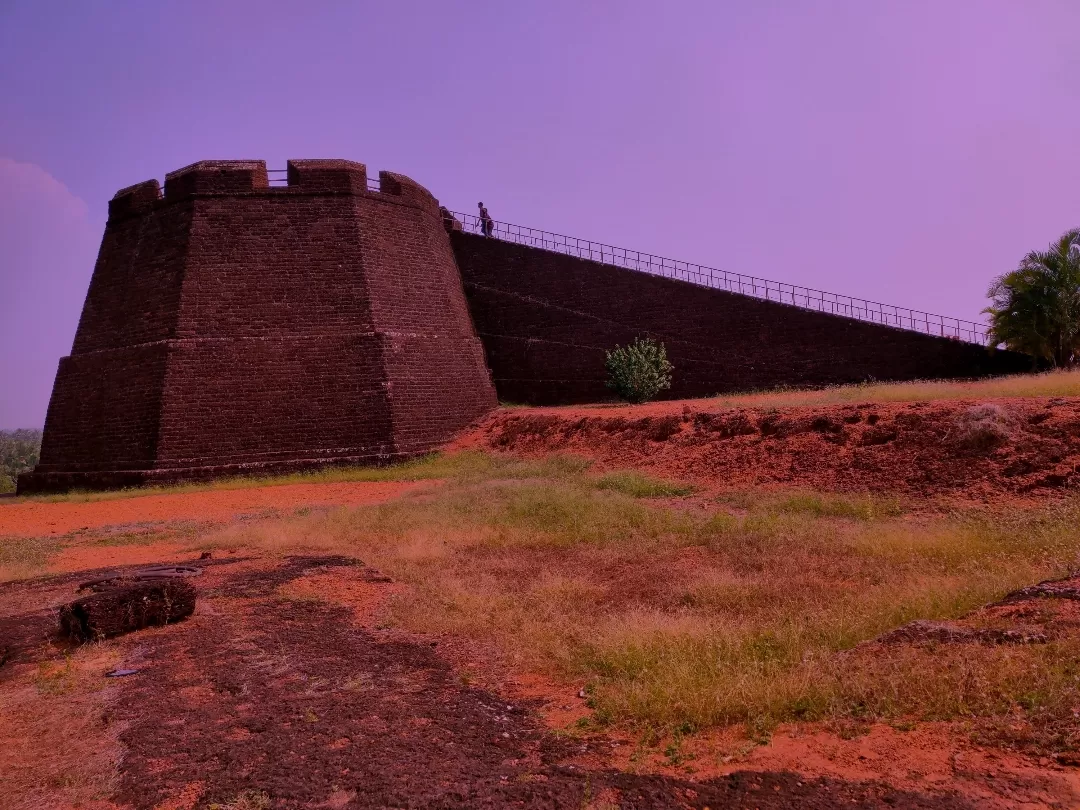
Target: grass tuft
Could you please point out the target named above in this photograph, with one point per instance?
(248, 800)
(982, 428)
(638, 485)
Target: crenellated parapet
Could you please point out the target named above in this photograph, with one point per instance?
(245, 178)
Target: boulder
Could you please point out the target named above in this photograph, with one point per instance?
(125, 605)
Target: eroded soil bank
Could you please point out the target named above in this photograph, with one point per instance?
(1026, 447)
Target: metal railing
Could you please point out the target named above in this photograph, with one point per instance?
(777, 291)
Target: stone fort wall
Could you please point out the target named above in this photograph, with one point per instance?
(546, 320)
(234, 326)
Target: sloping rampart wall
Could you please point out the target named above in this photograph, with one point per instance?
(546, 320)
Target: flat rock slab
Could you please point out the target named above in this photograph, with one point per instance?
(1068, 588)
(125, 606)
(945, 633)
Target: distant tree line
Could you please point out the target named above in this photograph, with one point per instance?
(1036, 308)
(19, 451)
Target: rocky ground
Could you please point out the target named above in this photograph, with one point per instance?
(288, 701)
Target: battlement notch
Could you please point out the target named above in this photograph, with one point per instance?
(327, 175)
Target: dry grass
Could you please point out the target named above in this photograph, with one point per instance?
(248, 800)
(26, 557)
(57, 747)
(983, 427)
(682, 620)
(1048, 384)
(23, 557)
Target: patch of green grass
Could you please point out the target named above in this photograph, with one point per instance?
(859, 506)
(638, 485)
(427, 467)
(531, 512)
(683, 619)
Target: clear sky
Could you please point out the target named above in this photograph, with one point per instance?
(901, 150)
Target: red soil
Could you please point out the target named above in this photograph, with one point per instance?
(34, 518)
(1029, 447)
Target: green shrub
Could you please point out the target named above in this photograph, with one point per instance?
(640, 371)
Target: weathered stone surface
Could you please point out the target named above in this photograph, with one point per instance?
(1068, 588)
(921, 631)
(122, 606)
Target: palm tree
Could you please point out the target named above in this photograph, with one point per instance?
(1036, 307)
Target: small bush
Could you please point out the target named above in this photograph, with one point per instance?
(640, 371)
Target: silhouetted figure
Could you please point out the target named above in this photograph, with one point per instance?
(487, 224)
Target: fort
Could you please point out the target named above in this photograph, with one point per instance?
(239, 325)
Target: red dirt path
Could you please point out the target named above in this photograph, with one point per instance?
(34, 518)
(914, 448)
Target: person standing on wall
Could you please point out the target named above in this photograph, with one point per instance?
(487, 224)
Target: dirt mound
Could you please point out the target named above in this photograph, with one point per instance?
(979, 449)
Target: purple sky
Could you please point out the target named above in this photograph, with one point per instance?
(903, 151)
